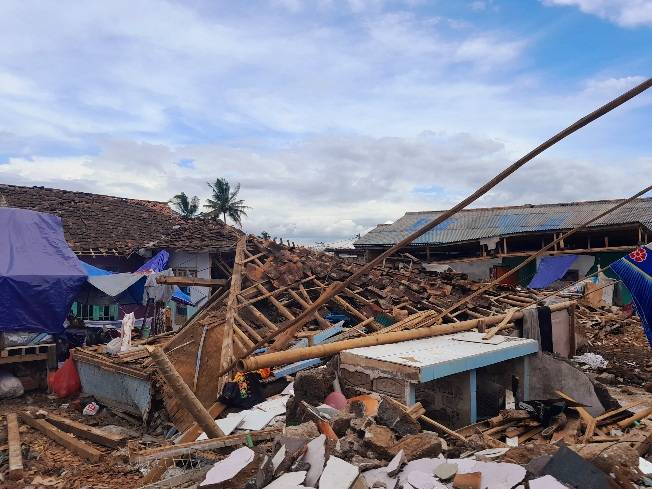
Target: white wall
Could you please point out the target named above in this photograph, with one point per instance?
(201, 263)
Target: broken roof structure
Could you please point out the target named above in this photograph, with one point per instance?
(97, 224)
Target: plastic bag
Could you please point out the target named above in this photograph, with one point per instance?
(127, 325)
(10, 386)
(65, 381)
(113, 346)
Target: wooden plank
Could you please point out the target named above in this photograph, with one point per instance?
(191, 281)
(15, 453)
(182, 391)
(64, 439)
(227, 353)
(181, 449)
(23, 358)
(492, 332)
(158, 469)
(96, 435)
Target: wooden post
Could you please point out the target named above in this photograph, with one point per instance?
(226, 354)
(15, 454)
(571, 327)
(504, 246)
(64, 439)
(606, 241)
(186, 397)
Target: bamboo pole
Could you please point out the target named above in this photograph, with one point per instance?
(328, 349)
(637, 417)
(188, 400)
(337, 287)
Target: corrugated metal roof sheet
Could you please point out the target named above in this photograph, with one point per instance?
(476, 224)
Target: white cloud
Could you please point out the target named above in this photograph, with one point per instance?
(331, 187)
(334, 116)
(626, 13)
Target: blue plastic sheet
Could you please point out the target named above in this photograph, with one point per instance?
(551, 269)
(157, 263)
(40, 275)
(635, 270)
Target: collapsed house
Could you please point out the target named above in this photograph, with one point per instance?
(119, 235)
(395, 381)
(487, 242)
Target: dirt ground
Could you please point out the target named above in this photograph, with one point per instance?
(49, 465)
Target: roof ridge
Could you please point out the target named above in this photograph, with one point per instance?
(42, 187)
(532, 206)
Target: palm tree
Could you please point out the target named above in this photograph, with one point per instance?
(224, 201)
(183, 205)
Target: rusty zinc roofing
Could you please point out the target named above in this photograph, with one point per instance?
(481, 223)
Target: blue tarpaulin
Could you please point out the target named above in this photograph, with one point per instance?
(40, 275)
(551, 269)
(128, 288)
(635, 270)
(157, 263)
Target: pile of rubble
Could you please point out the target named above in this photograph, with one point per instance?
(311, 435)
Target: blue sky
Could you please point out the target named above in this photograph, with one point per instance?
(333, 115)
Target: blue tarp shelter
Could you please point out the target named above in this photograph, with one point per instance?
(551, 269)
(40, 275)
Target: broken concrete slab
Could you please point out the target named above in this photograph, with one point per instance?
(315, 457)
(338, 474)
(379, 478)
(314, 385)
(394, 466)
(306, 430)
(446, 471)
(547, 375)
(227, 469)
(421, 480)
(378, 438)
(289, 480)
(546, 482)
(391, 415)
(495, 475)
(571, 469)
(422, 445)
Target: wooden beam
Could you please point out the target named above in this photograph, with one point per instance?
(261, 318)
(15, 452)
(191, 281)
(285, 312)
(508, 317)
(186, 397)
(64, 439)
(181, 449)
(158, 469)
(227, 355)
(80, 430)
(305, 305)
(247, 328)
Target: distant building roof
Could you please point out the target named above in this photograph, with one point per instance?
(116, 225)
(482, 223)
